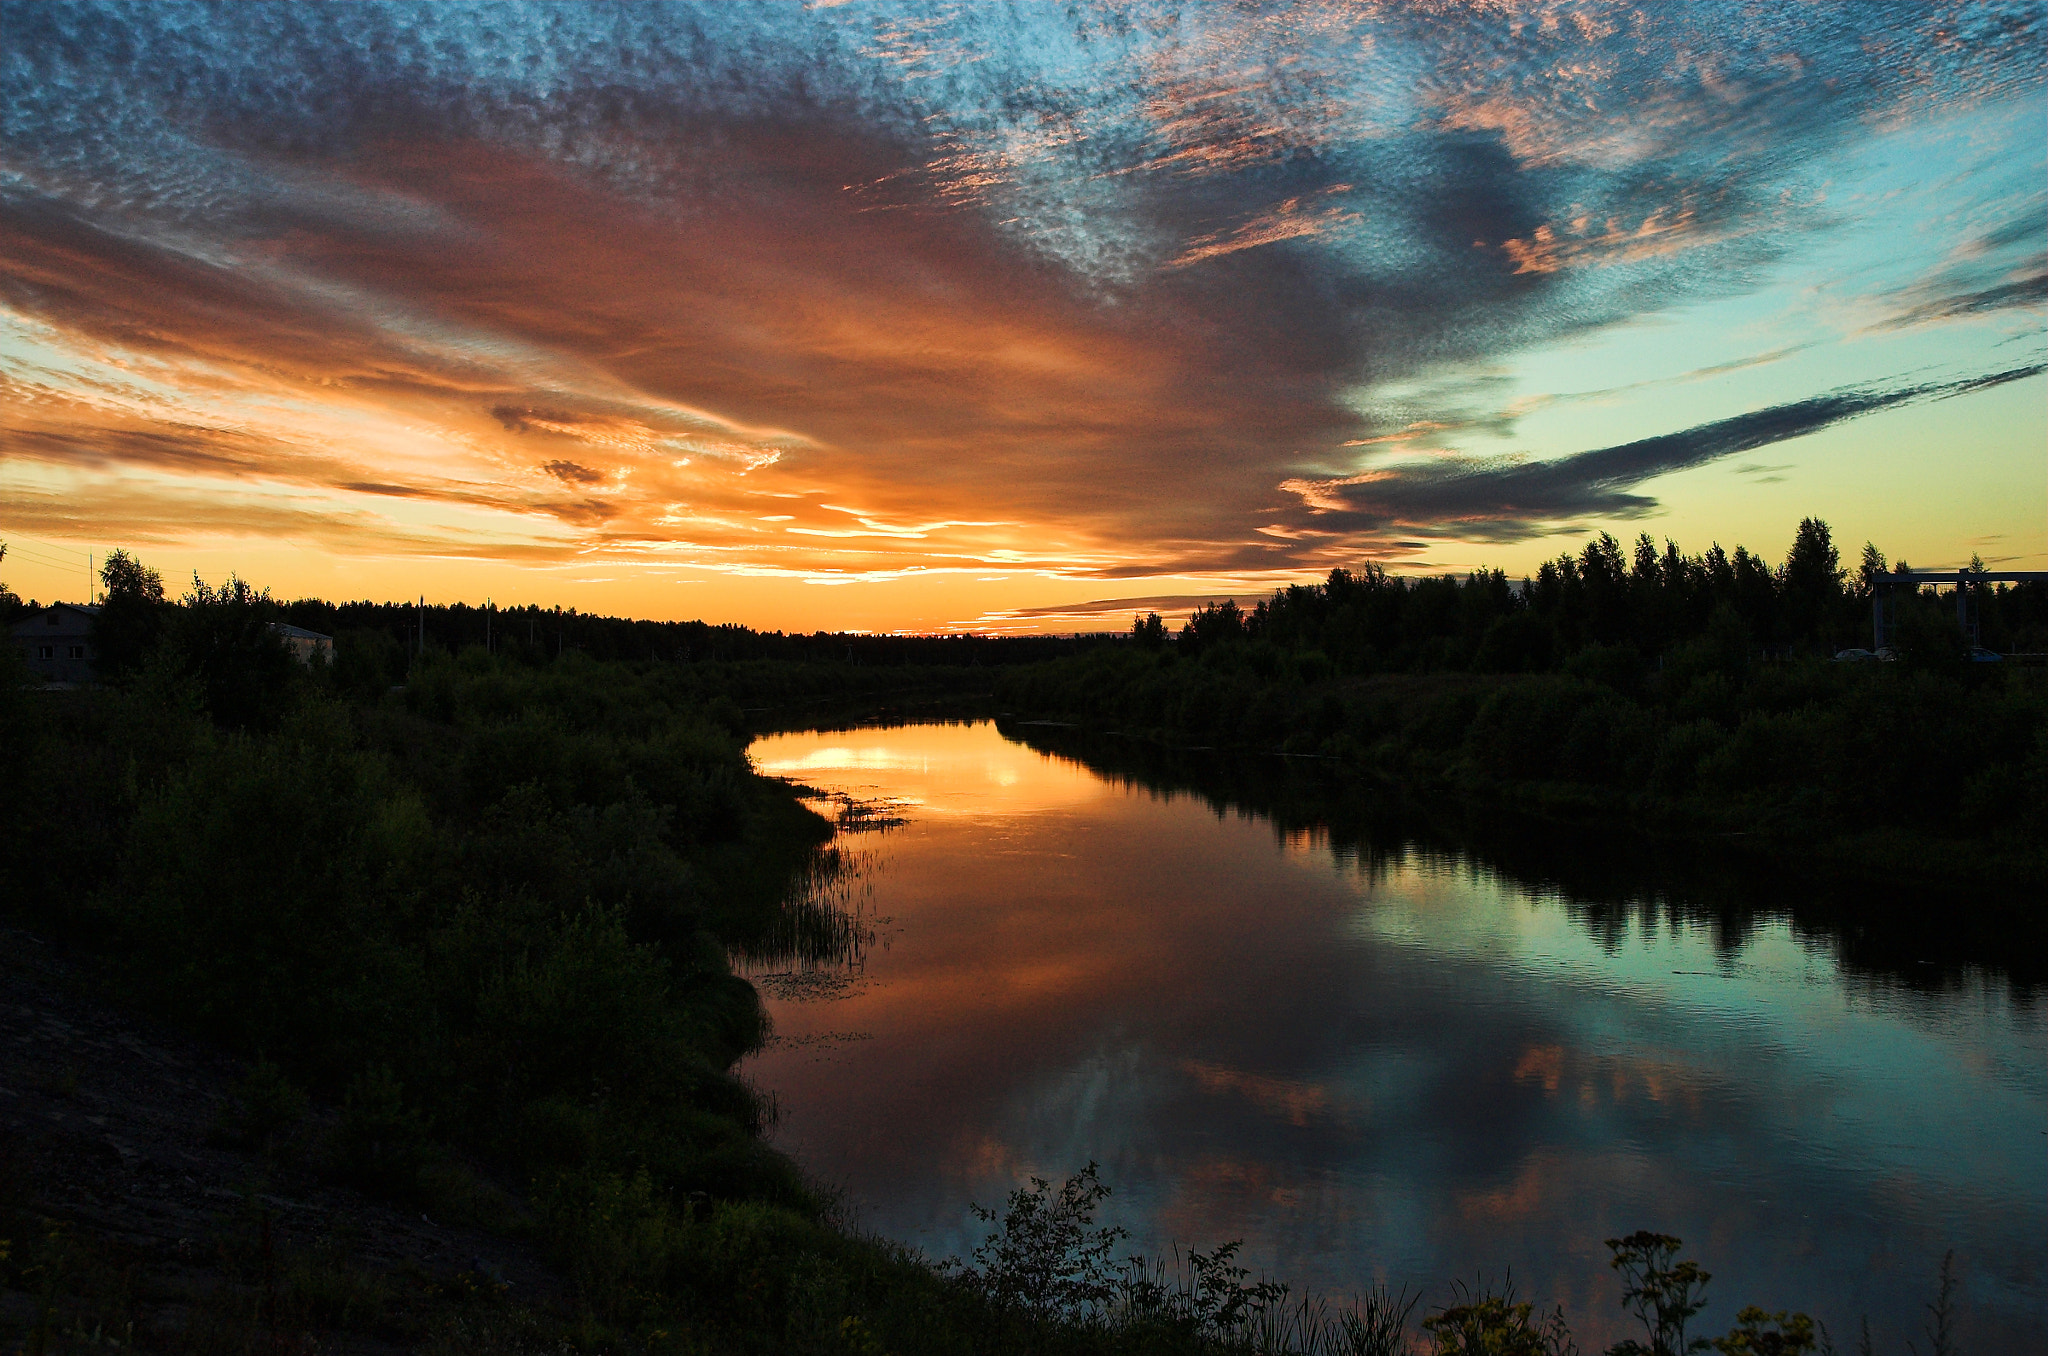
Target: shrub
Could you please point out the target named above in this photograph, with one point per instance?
(1486, 1324)
(1520, 730)
(1609, 741)
(1520, 642)
(1664, 1293)
(1046, 1257)
(1679, 755)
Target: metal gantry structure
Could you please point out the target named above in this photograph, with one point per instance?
(1884, 596)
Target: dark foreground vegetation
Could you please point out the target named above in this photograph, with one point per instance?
(467, 917)
(1689, 697)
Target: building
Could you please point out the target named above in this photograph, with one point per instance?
(308, 647)
(57, 643)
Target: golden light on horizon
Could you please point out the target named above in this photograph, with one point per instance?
(895, 356)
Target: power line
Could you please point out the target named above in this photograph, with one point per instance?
(36, 559)
(37, 550)
(23, 536)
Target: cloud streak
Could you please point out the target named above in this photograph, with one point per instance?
(1506, 501)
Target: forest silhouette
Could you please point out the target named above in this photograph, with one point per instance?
(1689, 696)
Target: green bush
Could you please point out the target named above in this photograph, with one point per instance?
(1680, 752)
(1520, 730)
(486, 921)
(1520, 642)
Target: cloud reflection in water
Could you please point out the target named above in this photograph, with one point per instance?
(1408, 1075)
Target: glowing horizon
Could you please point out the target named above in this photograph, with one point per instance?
(901, 317)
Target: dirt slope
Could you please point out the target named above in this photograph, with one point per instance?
(137, 1209)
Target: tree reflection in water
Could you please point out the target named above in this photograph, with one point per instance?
(1386, 1043)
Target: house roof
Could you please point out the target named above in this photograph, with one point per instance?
(290, 632)
(39, 622)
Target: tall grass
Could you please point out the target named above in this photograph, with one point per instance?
(825, 921)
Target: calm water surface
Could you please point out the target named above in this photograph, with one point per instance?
(1412, 1072)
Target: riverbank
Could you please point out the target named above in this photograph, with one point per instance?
(407, 1023)
(1874, 774)
(154, 1196)
(314, 962)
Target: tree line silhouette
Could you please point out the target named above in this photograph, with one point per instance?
(1689, 695)
(1650, 599)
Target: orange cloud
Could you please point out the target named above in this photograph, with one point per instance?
(1580, 243)
(1289, 220)
(675, 370)
(1295, 1101)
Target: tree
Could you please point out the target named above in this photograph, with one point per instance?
(226, 638)
(1925, 633)
(1868, 570)
(1212, 625)
(131, 618)
(1811, 582)
(127, 577)
(11, 605)
(1149, 631)
(1603, 573)
(1521, 642)
(1755, 593)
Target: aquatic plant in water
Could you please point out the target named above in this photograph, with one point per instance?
(824, 921)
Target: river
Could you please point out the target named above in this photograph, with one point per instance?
(1385, 1062)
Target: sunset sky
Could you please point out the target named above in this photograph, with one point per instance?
(881, 317)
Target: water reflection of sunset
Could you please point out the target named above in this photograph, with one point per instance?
(942, 769)
(1403, 1074)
